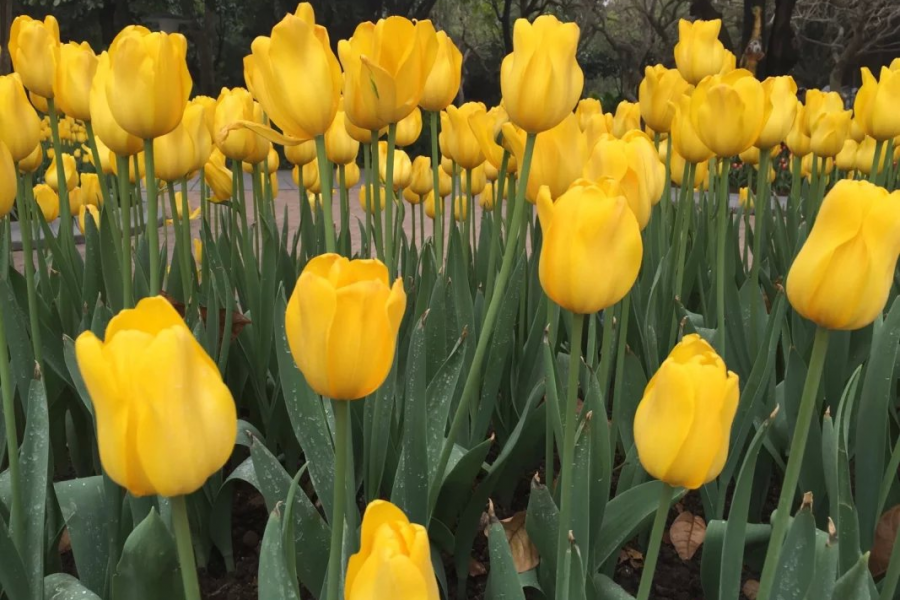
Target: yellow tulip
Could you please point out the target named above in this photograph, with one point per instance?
(368, 204)
(685, 140)
(429, 205)
(409, 128)
(237, 143)
(599, 126)
(585, 110)
(295, 75)
(34, 51)
(83, 211)
(70, 169)
(583, 228)
(818, 104)
(445, 183)
(363, 136)
(729, 64)
(479, 180)
(351, 175)
(728, 112)
(540, 80)
(490, 171)
(340, 147)
(486, 127)
(342, 321)
(797, 139)
(559, 156)
(309, 175)
(461, 208)
(846, 158)
(486, 199)
(682, 426)
(40, 104)
(106, 128)
(422, 180)
(444, 135)
(411, 197)
(856, 131)
(385, 69)
(402, 166)
(149, 84)
(20, 127)
(677, 167)
(90, 189)
(824, 166)
(876, 104)
(33, 161)
(658, 92)
(301, 153)
(7, 181)
(76, 201)
(272, 162)
(745, 199)
(47, 200)
(72, 85)
(627, 118)
(209, 112)
(394, 558)
(219, 178)
(699, 52)
(865, 156)
(152, 374)
(842, 275)
(142, 163)
(781, 92)
(442, 84)
(463, 144)
(175, 152)
(829, 132)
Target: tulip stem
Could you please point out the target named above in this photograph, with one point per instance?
(568, 458)
(795, 460)
(65, 212)
(341, 427)
(345, 208)
(24, 210)
(876, 160)
(496, 219)
(182, 528)
(659, 524)
(180, 248)
(325, 180)
(389, 202)
(722, 191)
(152, 216)
(760, 221)
(125, 199)
(95, 154)
(374, 199)
(438, 233)
(473, 379)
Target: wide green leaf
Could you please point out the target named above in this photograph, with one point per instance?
(148, 568)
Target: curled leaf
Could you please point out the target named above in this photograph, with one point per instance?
(885, 533)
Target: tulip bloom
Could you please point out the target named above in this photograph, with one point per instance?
(342, 321)
(728, 112)
(237, 143)
(685, 140)
(308, 174)
(367, 204)
(583, 228)
(340, 147)
(627, 118)
(797, 139)
(682, 426)
(422, 180)
(351, 175)
(70, 169)
(657, 95)
(20, 127)
(540, 80)
(846, 158)
(461, 208)
(7, 181)
(781, 92)
(177, 153)
(829, 132)
(394, 558)
(218, 177)
(85, 210)
(587, 108)
(486, 199)
(148, 84)
(876, 104)
(47, 200)
(34, 51)
(90, 189)
(106, 128)
(865, 156)
(402, 166)
(72, 86)
(842, 275)
(486, 126)
(33, 161)
(699, 52)
(442, 84)
(408, 129)
(302, 153)
(463, 144)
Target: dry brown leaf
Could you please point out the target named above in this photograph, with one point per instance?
(633, 557)
(751, 589)
(65, 542)
(524, 553)
(476, 568)
(687, 534)
(885, 532)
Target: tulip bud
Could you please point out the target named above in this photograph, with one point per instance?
(865, 157)
(422, 180)
(72, 86)
(408, 129)
(351, 175)
(462, 142)
(368, 204)
(846, 158)
(7, 181)
(585, 110)
(309, 175)
(699, 52)
(461, 208)
(34, 51)
(106, 129)
(658, 93)
(20, 128)
(486, 199)
(90, 189)
(714, 103)
(342, 321)
(442, 84)
(685, 140)
(85, 210)
(627, 118)
(70, 169)
(429, 205)
(218, 178)
(132, 176)
(411, 197)
(302, 153)
(176, 152)
(781, 93)
(238, 143)
(829, 132)
(340, 147)
(744, 198)
(33, 161)
(682, 426)
(797, 139)
(47, 200)
(402, 173)
(486, 127)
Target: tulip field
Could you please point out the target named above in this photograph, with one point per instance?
(544, 350)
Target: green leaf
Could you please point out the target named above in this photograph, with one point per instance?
(14, 319)
(90, 290)
(13, 580)
(439, 395)
(275, 580)
(797, 564)
(607, 589)
(62, 586)
(855, 583)
(83, 507)
(34, 457)
(457, 484)
(411, 485)
(503, 580)
(542, 524)
(148, 568)
(826, 567)
(110, 253)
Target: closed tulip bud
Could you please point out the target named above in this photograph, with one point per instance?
(40, 104)
(781, 92)
(70, 168)
(363, 136)
(744, 198)
(486, 199)
(585, 110)
(195, 123)
(422, 180)
(106, 128)
(486, 126)
(699, 52)
(824, 166)
(149, 84)
(76, 201)
(176, 155)
(151, 373)
(750, 156)
(72, 86)
(351, 175)
(385, 69)
(90, 189)
(271, 163)
(442, 84)
(842, 275)
(818, 104)
(402, 173)
(461, 208)
(342, 321)
(682, 426)
(411, 197)
(394, 558)
(713, 106)
(429, 205)
(685, 140)
(658, 93)
(490, 171)
(132, 175)
(876, 104)
(219, 179)
(34, 51)
(797, 140)
(90, 211)
(865, 156)
(340, 147)
(478, 182)
(462, 143)
(368, 204)
(627, 118)
(48, 201)
(33, 161)
(445, 183)
(599, 126)
(846, 158)
(238, 143)
(559, 155)
(20, 128)
(309, 176)
(302, 153)
(856, 131)
(7, 181)
(409, 128)
(540, 80)
(209, 112)
(583, 228)
(447, 165)
(828, 135)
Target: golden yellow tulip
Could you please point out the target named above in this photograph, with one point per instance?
(238, 143)
(714, 105)
(40, 104)
(876, 104)
(559, 156)
(422, 180)
(34, 51)
(151, 373)
(627, 118)
(411, 197)
(540, 80)
(657, 94)
(461, 208)
(442, 84)
(486, 198)
(70, 168)
(583, 228)
(141, 167)
(685, 140)
(90, 189)
(865, 157)
(682, 426)
(342, 321)
(72, 85)
(781, 93)
(295, 75)
(340, 147)
(729, 64)
(209, 112)
(842, 275)
(301, 153)
(176, 152)
(462, 142)
(76, 201)
(20, 127)
(394, 558)
(846, 158)
(599, 126)
(106, 129)
(856, 131)
(351, 175)
(429, 205)
(797, 139)
(47, 200)
(479, 180)
(677, 167)
(445, 183)
(33, 161)
(586, 109)
(486, 126)
(744, 198)
(309, 175)
(368, 204)
(219, 178)
(699, 52)
(824, 166)
(8, 187)
(829, 132)
(818, 104)
(409, 128)
(148, 84)
(385, 69)
(83, 211)
(402, 173)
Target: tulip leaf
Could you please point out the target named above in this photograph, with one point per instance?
(83, 507)
(607, 589)
(439, 396)
(796, 566)
(826, 568)
(855, 583)
(62, 586)
(148, 568)
(503, 579)
(90, 290)
(220, 517)
(15, 320)
(33, 461)
(13, 580)
(75, 374)
(275, 580)
(110, 256)
(457, 484)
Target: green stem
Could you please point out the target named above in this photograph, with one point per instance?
(567, 467)
(609, 334)
(257, 201)
(624, 313)
(65, 213)
(413, 217)
(125, 200)
(186, 242)
(389, 202)
(341, 429)
(179, 246)
(182, 528)
(876, 160)
(685, 206)
(24, 181)
(345, 208)
(421, 209)
(473, 379)
(795, 460)
(496, 220)
(759, 232)
(438, 234)
(152, 217)
(885, 176)
(659, 525)
(375, 198)
(325, 179)
(467, 222)
(722, 220)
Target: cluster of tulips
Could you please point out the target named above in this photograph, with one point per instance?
(602, 184)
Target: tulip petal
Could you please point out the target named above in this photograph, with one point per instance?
(151, 316)
(307, 323)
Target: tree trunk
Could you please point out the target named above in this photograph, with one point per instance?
(6, 11)
(781, 51)
(206, 42)
(506, 26)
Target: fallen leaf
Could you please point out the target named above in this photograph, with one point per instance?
(476, 568)
(65, 542)
(885, 533)
(633, 557)
(524, 553)
(751, 589)
(687, 534)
